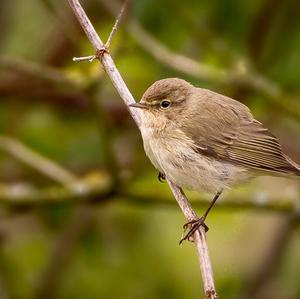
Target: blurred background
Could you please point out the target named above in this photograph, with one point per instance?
(82, 214)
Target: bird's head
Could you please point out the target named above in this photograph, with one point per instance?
(164, 100)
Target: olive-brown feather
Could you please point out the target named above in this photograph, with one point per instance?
(225, 129)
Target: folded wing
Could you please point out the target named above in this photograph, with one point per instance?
(231, 134)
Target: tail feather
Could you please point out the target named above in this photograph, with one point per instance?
(295, 168)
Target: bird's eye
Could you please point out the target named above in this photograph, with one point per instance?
(165, 104)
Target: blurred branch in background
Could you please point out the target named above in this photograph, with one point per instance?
(272, 258)
(29, 80)
(23, 79)
(97, 187)
(3, 292)
(66, 32)
(94, 186)
(241, 74)
(81, 220)
(71, 185)
(97, 184)
(236, 200)
(36, 161)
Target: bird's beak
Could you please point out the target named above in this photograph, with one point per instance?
(139, 105)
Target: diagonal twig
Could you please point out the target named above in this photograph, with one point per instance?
(113, 73)
(117, 23)
(37, 161)
(106, 46)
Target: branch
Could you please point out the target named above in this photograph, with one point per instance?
(97, 186)
(36, 160)
(125, 94)
(200, 241)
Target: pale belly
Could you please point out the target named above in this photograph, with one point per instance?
(189, 169)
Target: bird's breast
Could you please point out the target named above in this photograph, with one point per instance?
(173, 154)
(153, 145)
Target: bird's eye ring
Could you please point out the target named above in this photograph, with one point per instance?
(165, 104)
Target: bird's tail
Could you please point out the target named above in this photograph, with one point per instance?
(295, 167)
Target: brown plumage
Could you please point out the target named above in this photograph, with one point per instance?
(234, 135)
(193, 132)
(205, 141)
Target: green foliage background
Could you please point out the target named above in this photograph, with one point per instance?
(70, 113)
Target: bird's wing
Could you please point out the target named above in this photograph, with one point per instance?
(235, 136)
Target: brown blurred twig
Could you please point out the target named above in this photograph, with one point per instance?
(94, 184)
(117, 23)
(245, 75)
(81, 219)
(37, 161)
(99, 186)
(234, 200)
(34, 69)
(3, 291)
(272, 258)
(125, 94)
(30, 80)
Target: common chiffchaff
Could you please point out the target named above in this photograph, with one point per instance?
(205, 141)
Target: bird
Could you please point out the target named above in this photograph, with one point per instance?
(205, 141)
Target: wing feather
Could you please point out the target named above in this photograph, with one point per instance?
(226, 130)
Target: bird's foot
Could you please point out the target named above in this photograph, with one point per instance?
(193, 226)
(161, 177)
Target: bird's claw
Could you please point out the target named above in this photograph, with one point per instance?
(161, 177)
(193, 226)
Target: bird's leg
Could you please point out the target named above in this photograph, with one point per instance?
(161, 177)
(195, 224)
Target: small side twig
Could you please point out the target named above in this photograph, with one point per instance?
(105, 47)
(125, 94)
(89, 58)
(116, 25)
